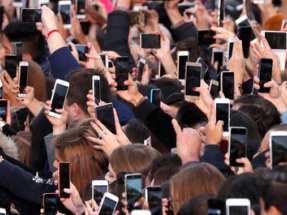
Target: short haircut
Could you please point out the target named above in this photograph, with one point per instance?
(81, 82)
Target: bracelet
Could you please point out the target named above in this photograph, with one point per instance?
(51, 32)
(141, 100)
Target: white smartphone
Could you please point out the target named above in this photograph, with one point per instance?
(99, 188)
(277, 40)
(97, 88)
(278, 147)
(44, 2)
(141, 68)
(222, 110)
(81, 5)
(244, 22)
(153, 196)
(23, 77)
(108, 204)
(2, 211)
(258, 2)
(141, 212)
(237, 206)
(231, 42)
(182, 59)
(65, 11)
(133, 189)
(192, 79)
(58, 97)
(105, 59)
(17, 3)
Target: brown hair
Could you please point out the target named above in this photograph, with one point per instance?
(23, 141)
(197, 179)
(136, 158)
(86, 162)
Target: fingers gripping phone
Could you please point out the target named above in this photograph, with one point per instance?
(278, 147)
(97, 88)
(122, 72)
(99, 188)
(155, 97)
(50, 203)
(237, 145)
(105, 115)
(153, 196)
(23, 78)
(222, 110)
(133, 188)
(265, 73)
(108, 204)
(227, 84)
(64, 179)
(192, 80)
(82, 51)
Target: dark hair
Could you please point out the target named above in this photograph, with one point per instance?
(33, 41)
(136, 131)
(50, 82)
(164, 174)
(196, 205)
(158, 145)
(168, 86)
(189, 115)
(175, 99)
(81, 82)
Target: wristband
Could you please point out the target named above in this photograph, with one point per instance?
(51, 32)
(140, 101)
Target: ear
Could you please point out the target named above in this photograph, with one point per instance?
(27, 56)
(76, 110)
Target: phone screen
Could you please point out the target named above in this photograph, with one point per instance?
(64, 177)
(222, 113)
(150, 41)
(97, 91)
(65, 11)
(105, 115)
(81, 5)
(265, 74)
(135, 17)
(218, 57)
(246, 23)
(134, 191)
(238, 210)
(122, 72)
(205, 37)
(156, 97)
(59, 97)
(108, 206)
(99, 191)
(213, 91)
(279, 150)
(31, 15)
(216, 207)
(3, 110)
(204, 67)
(181, 66)
(230, 50)
(11, 65)
(23, 78)
(192, 80)
(154, 198)
(221, 10)
(276, 40)
(85, 27)
(82, 50)
(237, 145)
(140, 71)
(245, 37)
(19, 51)
(228, 85)
(50, 204)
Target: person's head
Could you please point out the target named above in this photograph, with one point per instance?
(164, 174)
(173, 103)
(86, 162)
(80, 83)
(136, 131)
(23, 141)
(194, 180)
(135, 158)
(196, 205)
(168, 86)
(189, 115)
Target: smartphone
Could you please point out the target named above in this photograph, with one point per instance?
(278, 147)
(204, 67)
(31, 15)
(217, 56)
(284, 22)
(249, 11)
(1, 15)
(237, 145)
(192, 80)
(237, 206)
(205, 37)
(136, 17)
(154, 198)
(105, 59)
(44, 2)
(85, 26)
(183, 6)
(99, 188)
(141, 212)
(216, 207)
(182, 59)
(11, 65)
(108, 204)
(64, 179)
(155, 97)
(245, 36)
(150, 41)
(82, 50)
(122, 72)
(105, 115)
(23, 77)
(133, 189)
(50, 203)
(244, 22)
(141, 68)
(231, 42)
(265, 73)
(213, 88)
(227, 84)
(258, 2)
(2, 211)
(18, 3)
(58, 97)
(17, 49)
(276, 39)
(81, 5)
(3, 109)
(97, 88)
(65, 11)
(222, 110)
(221, 12)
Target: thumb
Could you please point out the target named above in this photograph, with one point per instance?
(176, 127)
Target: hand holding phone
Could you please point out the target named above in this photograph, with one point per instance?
(105, 115)
(222, 110)
(23, 78)
(97, 88)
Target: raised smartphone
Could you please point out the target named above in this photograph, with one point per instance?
(192, 80)
(205, 37)
(31, 15)
(213, 88)
(50, 203)
(237, 145)
(222, 110)
(221, 12)
(82, 50)
(204, 67)
(23, 77)
(141, 68)
(81, 5)
(99, 188)
(105, 115)
(64, 179)
(182, 59)
(244, 22)
(237, 206)
(65, 11)
(265, 73)
(154, 198)
(231, 42)
(97, 88)
(155, 97)
(276, 39)
(108, 204)
(2, 211)
(245, 36)
(217, 56)
(278, 147)
(133, 189)
(150, 41)
(122, 72)
(227, 84)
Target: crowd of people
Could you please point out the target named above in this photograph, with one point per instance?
(178, 145)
